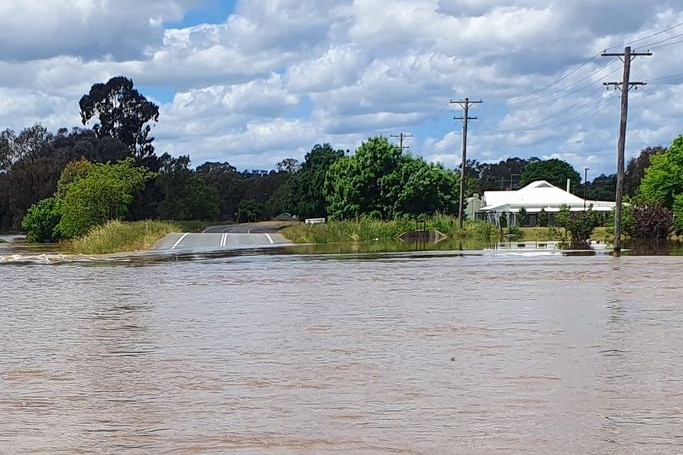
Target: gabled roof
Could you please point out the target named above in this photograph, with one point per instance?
(536, 196)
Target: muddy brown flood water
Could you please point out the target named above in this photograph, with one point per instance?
(376, 354)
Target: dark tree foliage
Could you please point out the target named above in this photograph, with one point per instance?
(635, 169)
(304, 189)
(264, 188)
(602, 188)
(249, 211)
(647, 219)
(186, 196)
(123, 113)
(229, 184)
(504, 175)
(553, 171)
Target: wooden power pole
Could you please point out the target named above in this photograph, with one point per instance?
(625, 85)
(401, 137)
(465, 105)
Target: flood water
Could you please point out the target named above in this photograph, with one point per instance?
(402, 353)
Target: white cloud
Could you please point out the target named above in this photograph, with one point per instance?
(277, 77)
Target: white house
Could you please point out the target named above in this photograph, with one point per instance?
(536, 197)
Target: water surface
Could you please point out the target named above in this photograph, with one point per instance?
(415, 353)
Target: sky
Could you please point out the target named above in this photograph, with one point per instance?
(253, 82)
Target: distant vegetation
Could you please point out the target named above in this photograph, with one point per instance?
(365, 229)
(59, 186)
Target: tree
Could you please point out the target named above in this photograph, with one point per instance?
(289, 165)
(579, 224)
(228, 182)
(342, 190)
(678, 214)
(100, 194)
(663, 180)
(123, 113)
(304, 189)
(424, 189)
(502, 175)
(603, 188)
(381, 181)
(635, 170)
(554, 171)
(185, 195)
(249, 210)
(41, 221)
(647, 219)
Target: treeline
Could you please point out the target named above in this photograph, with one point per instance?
(76, 172)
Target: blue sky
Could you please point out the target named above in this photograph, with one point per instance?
(252, 82)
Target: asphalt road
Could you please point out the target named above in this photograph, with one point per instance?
(250, 235)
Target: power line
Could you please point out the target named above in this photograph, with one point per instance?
(521, 98)
(654, 45)
(665, 45)
(652, 35)
(566, 88)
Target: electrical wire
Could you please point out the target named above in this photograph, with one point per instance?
(522, 98)
(652, 35)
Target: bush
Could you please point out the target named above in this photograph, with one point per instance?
(41, 219)
(646, 219)
(579, 224)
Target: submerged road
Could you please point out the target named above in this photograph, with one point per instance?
(250, 235)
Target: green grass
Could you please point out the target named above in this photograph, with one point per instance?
(365, 229)
(118, 236)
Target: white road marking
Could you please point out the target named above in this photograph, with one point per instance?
(269, 238)
(224, 240)
(179, 240)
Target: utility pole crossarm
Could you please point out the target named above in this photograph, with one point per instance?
(401, 137)
(465, 105)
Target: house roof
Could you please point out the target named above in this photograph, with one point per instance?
(536, 196)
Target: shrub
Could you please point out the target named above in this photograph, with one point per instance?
(647, 219)
(41, 219)
(579, 224)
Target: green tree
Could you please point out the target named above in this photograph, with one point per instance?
(543, 218)
(635, 169)
(186, 195)
(123, 113)
(424, 189)
(603, 188)
(102, 194)
(502, 175)
(342, 189)
(554, 171)
(677, 222)
(663, 179)
(364, 182)
(249, 210)
(579, 224)
(380, 180)
(229, 183)
(304, 189)
(41, 220)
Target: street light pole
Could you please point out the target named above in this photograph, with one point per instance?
(585, 187)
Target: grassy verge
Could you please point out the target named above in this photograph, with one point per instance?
(365, 229)
(118, 236)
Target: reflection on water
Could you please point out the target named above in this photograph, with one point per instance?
(416, 353)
